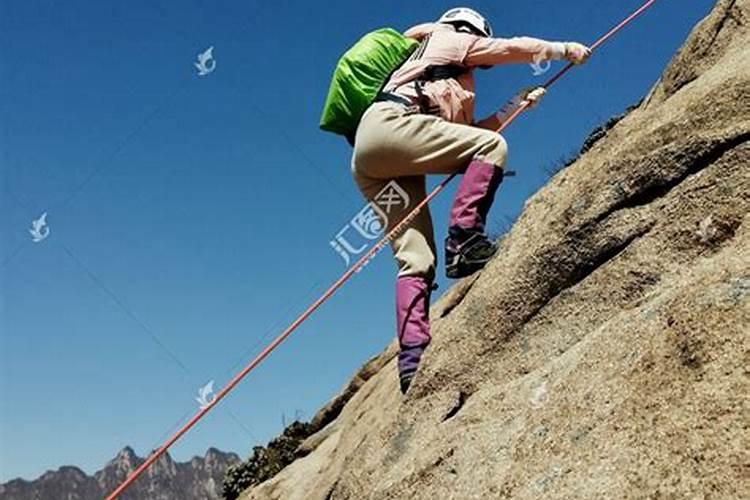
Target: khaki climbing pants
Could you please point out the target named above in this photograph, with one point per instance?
(397, 143)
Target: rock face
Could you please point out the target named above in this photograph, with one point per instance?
(604, 352)
(198, 479)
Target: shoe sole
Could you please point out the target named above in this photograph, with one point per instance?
(461, 269)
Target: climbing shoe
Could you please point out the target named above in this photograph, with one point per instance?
(466, 252)
(405, 381)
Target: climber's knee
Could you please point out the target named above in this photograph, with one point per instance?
(494, 150)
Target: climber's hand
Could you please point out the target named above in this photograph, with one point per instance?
(577, 53)
(533, 95)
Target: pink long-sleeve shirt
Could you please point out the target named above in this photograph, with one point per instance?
(455, 96)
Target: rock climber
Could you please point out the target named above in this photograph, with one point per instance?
(423, 123)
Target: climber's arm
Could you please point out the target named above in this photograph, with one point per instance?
(494, 51)
(493, 122)
(489, 123)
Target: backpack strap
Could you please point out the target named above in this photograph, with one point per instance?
(430, 74)
(443, 72)
(433, 74)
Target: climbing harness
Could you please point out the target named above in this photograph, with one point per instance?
(340, 282)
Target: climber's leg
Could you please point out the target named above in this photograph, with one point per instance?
(391, 143)
(414, 251)
(413, 323)
(475, 195)
(467, 248)
(413, 247)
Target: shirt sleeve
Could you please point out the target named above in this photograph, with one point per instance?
(492, 51)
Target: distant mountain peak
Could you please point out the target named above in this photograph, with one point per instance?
(127, 453)
(198, 479)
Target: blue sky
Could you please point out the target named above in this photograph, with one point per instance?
(190, 216)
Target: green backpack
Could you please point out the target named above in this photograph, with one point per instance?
(360, 75)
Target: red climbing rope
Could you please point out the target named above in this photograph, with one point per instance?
(343, 279)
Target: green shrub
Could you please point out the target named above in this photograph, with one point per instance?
(265, 461)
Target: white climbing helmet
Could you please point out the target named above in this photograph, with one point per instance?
(464, 15)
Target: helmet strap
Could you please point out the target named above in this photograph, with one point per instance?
(464, 27)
